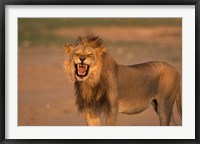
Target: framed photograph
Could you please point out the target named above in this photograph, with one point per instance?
(100, 72)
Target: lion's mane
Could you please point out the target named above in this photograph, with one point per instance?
(91, 94)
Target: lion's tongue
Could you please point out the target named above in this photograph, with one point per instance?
(81, 70)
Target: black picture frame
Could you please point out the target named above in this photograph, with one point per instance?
(4, 3)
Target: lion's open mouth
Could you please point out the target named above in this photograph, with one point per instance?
(82, 69)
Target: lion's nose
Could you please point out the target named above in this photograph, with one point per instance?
(82, 58)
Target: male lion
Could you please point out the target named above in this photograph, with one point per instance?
(104, 87)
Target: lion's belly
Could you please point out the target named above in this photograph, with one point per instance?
(133, 107)
(136, 90)
(132, 101)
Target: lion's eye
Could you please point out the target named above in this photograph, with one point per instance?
(91, 55)
(76, 54)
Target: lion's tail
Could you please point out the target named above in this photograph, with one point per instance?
(179, 102)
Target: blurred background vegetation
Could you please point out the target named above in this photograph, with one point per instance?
(40, 30)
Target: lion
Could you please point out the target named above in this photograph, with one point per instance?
(104, 88)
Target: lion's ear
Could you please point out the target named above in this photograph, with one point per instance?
(68, 48)
(100, 50)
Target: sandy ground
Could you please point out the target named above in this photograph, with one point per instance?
(46, 98)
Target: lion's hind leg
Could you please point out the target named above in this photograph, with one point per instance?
(164, 113)
(172, 121)
(155, 106)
